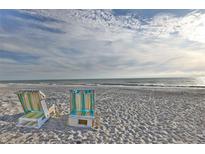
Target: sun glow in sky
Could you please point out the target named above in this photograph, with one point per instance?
(63, 44)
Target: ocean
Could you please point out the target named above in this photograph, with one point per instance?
(198, 82)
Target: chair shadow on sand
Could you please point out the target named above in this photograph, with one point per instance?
(61, 124)
(10, 118)
(54, 124)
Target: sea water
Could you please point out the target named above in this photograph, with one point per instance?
(198, 82)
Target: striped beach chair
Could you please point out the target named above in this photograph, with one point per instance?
(82, 108)
(35, 109)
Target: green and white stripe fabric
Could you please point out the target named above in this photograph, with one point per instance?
(35, 109)
(82, 102)
(30, 101)
(34, 115)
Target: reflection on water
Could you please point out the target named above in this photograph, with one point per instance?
(200, 81)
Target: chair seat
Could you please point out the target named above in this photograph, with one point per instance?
(34, 115)
(34, 119)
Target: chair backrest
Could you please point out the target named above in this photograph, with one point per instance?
(82, 102)
(31, 100)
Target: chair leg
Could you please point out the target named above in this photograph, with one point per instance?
(54, 110)
(97, 120)
(41, 122)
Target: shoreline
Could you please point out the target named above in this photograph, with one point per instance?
(101, 85)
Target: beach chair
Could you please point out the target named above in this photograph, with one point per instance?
(35, 109)
(82, 108)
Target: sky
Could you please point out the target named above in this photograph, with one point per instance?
(69, 44)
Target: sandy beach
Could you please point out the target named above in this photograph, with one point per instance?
(127, 115)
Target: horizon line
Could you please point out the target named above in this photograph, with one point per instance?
(100, 78)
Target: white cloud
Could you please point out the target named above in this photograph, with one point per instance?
(96, 43)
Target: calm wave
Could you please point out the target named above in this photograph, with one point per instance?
(154, 82)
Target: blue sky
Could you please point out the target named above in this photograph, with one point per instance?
(63, 44)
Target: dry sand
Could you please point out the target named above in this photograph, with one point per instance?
(128, 115)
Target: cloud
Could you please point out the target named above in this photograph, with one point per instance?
(18, 57)
(101, 43)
